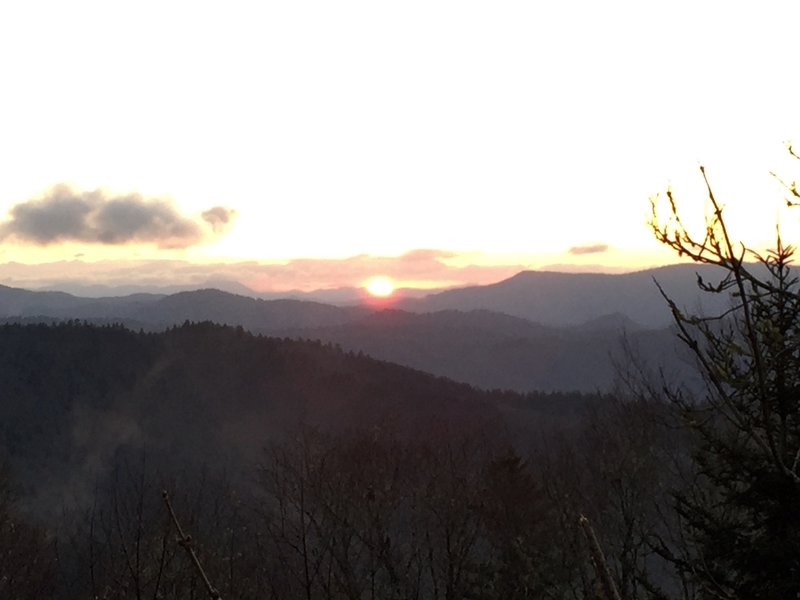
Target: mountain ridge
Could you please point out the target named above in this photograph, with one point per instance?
(557, 298)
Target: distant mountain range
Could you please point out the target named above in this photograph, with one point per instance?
(574, 298)
(548, 297)
(496, 351)
(338, 296)
(534, 331)
(155, 311)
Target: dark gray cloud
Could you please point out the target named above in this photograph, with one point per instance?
(589, 249)
(219, 217)
(64, 214)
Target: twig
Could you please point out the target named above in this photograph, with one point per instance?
(186, 542)
(598, 558)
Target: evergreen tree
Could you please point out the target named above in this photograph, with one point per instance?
(741, 512)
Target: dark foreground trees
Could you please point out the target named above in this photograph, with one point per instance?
(27, 557)
(741, 510)
(359, 516)
(376, 517)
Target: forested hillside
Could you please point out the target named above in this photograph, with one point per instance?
(75, 396)
(395, 481)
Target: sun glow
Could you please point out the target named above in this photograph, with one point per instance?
(380, 287)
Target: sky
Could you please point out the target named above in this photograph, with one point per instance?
(307, 144)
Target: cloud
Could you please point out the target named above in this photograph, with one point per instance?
(65, 214)
(219, 217)
(589, 249)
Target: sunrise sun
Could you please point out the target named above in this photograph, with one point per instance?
(379, 286)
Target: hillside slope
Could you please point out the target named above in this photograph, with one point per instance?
(76, 398)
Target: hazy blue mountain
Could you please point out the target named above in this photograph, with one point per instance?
(158, 311)
(18, 302)
(256, 315)
(98, 290)
(342, 296)
(573, 298)
(614, 322)
(549, 298)
(493, 350)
